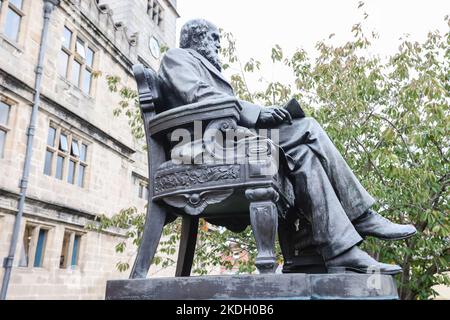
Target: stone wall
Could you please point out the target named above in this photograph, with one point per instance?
(114, 158)
(132, 17)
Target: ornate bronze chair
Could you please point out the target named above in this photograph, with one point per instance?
(232, 194)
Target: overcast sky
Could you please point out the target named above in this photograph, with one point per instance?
(259, 24)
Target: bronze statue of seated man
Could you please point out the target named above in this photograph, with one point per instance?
(332, 199)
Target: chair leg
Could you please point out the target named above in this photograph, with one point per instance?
(285, 239)
(188, 241)
(264, 220)
(154, 224)
(286, 230)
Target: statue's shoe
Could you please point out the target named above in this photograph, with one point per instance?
(356, 260)
(373, 224)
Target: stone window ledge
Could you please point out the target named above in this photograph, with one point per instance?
(11, 43)
(4, 128)
(79, 93)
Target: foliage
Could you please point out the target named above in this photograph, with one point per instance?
(389, 117)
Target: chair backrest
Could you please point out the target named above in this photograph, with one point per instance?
(220, 114)
(149, 90)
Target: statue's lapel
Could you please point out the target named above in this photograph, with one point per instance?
(208, 65)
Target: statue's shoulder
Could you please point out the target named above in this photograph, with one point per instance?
(175, 53)
(176, 58)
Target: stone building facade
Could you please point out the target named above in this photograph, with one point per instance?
(85, 161)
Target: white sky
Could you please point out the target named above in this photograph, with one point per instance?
(259, 24)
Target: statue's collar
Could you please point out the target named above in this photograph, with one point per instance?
(207, 64)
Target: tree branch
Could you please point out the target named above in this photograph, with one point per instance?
(399, 133)
(436, 197)
(369, 158)
(432, 270)
(439, 149)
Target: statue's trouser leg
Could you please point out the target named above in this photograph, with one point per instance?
(306, 131)
(332, 230)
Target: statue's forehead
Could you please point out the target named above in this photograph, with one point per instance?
(212, 27)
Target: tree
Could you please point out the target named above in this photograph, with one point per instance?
(390, 119)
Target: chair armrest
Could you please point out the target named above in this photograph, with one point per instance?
(226, 107)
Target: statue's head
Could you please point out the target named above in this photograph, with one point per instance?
(203, 37)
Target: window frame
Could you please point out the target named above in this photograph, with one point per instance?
(75, 57)
(67, 156)
(5, 7)
(152, 5)
(33, 246)
(142, 186)
(5, 127)
(70, 249)
(39, 252)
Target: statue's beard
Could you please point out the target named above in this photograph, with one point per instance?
(210, 54)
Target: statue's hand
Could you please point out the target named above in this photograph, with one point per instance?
(272, 116)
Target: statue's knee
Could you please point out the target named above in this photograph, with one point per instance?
(312, 122)
(308, 124)
(313, 127)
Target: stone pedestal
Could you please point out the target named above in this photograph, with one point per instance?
(262, 286)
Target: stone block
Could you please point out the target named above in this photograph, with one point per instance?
(274, 286)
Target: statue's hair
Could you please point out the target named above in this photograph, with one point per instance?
(192, 31)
